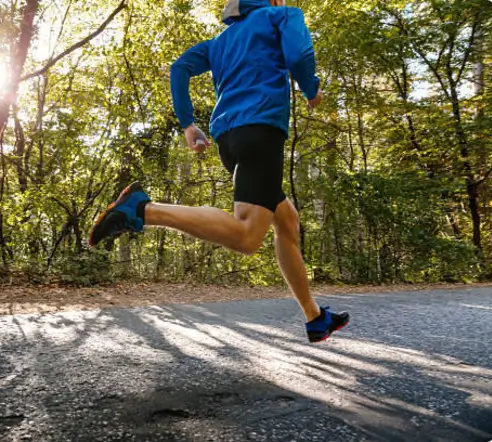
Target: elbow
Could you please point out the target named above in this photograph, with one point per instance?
(178, 68)
(178, 76)
(303, 59)
(175, 68)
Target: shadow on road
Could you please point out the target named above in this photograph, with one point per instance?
(241, 371)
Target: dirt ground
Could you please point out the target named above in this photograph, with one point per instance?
(47, 299)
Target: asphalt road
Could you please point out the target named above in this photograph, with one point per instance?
(410, 367)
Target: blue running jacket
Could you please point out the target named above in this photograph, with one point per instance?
(250, 61)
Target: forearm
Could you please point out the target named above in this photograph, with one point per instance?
(303, 73)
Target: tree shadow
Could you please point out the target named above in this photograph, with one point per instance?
(238, 371)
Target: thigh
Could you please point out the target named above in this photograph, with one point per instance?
(259, 150)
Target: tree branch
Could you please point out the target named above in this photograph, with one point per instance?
(78, 45)
(91, 200)
(468, 51)
(434, 70)
(62, 26)
(484, 178)
(63, 206)
(326, 123)
(14, 161)
(129, 68)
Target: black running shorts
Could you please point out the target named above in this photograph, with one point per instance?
(254, 155)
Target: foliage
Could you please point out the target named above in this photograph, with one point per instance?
(391, 176)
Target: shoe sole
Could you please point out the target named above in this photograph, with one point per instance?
(324, 338)
(120, 200)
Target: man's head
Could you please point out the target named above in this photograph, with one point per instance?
(237, 9)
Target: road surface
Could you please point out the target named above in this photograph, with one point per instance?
(411, 366)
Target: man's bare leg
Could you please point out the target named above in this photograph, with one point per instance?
(289, 257)
(244, 232)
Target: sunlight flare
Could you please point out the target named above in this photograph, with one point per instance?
(3, 77)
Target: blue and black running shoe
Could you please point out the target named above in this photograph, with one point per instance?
(325, 324)
(121, 215)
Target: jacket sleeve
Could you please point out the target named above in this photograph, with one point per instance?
(193, 62)
(298, 50)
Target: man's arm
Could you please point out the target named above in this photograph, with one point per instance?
(298, 51)
(193, 62)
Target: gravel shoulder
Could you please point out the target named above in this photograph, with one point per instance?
(19, 299)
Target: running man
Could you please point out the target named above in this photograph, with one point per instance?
(250, 63)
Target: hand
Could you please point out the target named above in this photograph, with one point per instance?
(196, 139)
(316, 101)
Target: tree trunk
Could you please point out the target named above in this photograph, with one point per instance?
(472, 191)
(125, 257)
(161, 252)
(472, 188)
(7, 254)
(293, 146)
(471, 184)
(20, 147)
(20, 54)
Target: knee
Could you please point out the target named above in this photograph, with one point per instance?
(288, 226)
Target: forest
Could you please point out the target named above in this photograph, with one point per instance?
(392, 174)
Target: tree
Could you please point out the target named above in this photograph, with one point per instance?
(390, 175)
